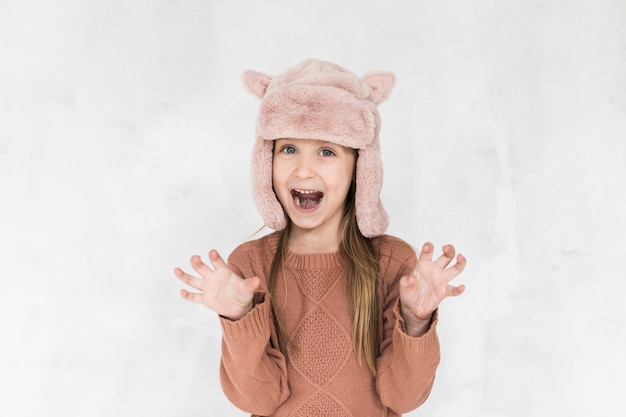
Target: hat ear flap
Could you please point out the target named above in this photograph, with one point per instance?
(381, 84)
(371, 216)
(256, 82)
(262, 190)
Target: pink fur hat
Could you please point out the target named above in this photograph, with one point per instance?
(321, 100)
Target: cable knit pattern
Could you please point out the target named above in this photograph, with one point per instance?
(320, 338)
(264, 375)
(320, 405)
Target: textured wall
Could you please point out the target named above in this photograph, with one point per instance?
(124, 144)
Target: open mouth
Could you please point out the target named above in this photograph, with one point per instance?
(307, 199)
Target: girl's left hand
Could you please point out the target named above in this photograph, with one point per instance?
(423, 290)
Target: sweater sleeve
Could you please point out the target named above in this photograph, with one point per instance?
(406, 365)
(253, 371)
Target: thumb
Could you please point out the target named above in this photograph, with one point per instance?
(407, 282)
(252, 284)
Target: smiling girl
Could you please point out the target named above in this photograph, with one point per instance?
(327, 316)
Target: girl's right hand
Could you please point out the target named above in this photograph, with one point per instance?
(220, 288)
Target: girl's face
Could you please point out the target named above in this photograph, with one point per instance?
(311, 179)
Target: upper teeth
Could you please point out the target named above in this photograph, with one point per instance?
(305, 191)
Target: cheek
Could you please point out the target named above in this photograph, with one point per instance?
(342, 179)
(276, 177)
(348, 176)
(278, 185)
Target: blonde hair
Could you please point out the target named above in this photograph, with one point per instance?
(361, 276)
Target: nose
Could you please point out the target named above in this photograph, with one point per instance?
(305, 167)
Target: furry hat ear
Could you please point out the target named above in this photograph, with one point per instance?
(381, 84)
(256, 82)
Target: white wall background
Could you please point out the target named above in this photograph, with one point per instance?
(125, 137)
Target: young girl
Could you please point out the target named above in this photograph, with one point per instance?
(327, 316)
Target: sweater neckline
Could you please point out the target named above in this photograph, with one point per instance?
(315, 260)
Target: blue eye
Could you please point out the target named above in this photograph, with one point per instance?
(327, 152)
(288, 149)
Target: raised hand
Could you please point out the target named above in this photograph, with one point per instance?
(423, 290)
(220, 288)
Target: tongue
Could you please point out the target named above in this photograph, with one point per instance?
(308, 201)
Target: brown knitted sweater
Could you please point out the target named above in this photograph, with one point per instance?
(263, 375)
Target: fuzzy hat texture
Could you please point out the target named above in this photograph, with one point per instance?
(321, 100)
